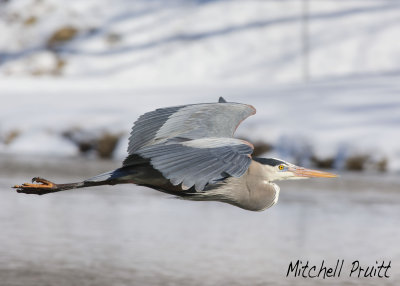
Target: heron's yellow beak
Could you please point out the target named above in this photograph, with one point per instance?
(309, 173)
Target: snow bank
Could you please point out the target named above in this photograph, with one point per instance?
(192, 41)
(90, 68)
(324, 119)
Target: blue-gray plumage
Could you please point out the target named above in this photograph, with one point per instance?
(189, 151)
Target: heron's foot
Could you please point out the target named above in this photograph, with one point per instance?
(44, 187)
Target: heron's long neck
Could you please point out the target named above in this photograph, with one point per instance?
(268, 172)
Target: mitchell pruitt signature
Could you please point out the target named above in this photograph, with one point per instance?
(308, 270)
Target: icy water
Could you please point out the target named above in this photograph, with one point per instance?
(128, 235)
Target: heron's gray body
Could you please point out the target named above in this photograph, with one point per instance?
(189, 151)
(251, 191)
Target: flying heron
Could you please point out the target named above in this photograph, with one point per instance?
(189, 151)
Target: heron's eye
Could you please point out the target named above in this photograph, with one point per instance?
(281, 167)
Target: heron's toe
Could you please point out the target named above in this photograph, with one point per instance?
(42, 184)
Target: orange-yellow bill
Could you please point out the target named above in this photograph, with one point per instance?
(309, 173)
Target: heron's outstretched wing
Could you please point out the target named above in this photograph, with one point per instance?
(200, 161)
(189, 122)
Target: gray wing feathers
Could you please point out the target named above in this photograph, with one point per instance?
(192, 145)
(145, 128)
(189, 121)
(199, 162)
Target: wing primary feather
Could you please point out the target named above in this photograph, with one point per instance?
(200, 162)
(188, 121)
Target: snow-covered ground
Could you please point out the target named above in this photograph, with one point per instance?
(327, 119)
(114, 60)
(200, 41)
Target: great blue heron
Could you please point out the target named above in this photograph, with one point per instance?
(189, 151)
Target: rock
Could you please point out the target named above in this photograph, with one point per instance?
(325, 163)
(85, 142)
(382, 164)
(61, 36)
(10, 136)
(356, 162)
(30, 21)
(261, 148)
(106, 144)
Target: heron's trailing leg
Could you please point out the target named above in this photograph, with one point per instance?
(43, 187)
(46, 187)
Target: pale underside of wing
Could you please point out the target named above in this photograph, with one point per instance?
(200, 161)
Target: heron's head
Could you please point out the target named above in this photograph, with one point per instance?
(277, 169)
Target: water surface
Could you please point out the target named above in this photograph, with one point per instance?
(129, 235)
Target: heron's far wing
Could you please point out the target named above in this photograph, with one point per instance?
(200, 161)
(222, 100)
(188, 121)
